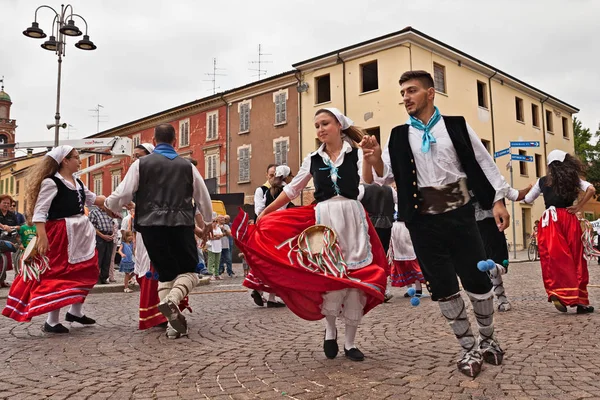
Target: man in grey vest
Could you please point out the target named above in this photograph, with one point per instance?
(165, 185)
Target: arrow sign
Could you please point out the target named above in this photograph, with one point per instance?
(524, 144)
(518, 157)
(502, 153)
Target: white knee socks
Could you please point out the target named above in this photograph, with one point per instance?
(52, 318)
(76, 309)
(350, 336)
(330, 329)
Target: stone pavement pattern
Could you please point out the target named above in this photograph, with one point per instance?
(239, 351)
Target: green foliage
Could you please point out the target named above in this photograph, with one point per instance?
(587, 148)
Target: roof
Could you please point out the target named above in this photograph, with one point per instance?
(411, 31)
(4, 96)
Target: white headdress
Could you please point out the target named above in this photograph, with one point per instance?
(59, 153)
(148, 146)
(342, 119)
(282, 171)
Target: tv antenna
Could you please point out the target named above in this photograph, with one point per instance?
(214, 75)
(2, 83)
(260, 62)
(98, 116)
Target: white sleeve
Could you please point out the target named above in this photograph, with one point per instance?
(388, 175)
(512, 194)
(488, 166)
(48, 192)
(259, 201)
(293, 189)
(584, 185)
(125, 223)
(533, 193)
(123, 194)
(90, 197)
(201, 195)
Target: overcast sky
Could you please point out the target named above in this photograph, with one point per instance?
(153, 55)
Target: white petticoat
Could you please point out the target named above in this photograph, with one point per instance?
(142, 260)
(402, 246)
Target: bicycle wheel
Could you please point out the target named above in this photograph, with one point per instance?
(531, 252)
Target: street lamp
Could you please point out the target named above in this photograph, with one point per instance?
(63, 25)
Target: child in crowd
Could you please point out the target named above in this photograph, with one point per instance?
(244, 264)
(127, 263)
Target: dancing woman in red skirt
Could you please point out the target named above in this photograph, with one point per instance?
(564, 268)
(65, 237)
(347, 278)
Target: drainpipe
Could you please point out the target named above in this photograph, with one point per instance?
(340, 60)
(409, 47)
(227, 141)
(543, 116)
(298, 76)
(492, 113)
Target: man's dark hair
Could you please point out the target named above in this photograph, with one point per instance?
(139, 146)
(422, 76)
(164, 133)
(271, 166)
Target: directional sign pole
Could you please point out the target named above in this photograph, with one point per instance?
(514, 229)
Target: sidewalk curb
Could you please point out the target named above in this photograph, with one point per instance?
(117, 288)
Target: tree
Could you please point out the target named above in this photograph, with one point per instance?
(588, 152)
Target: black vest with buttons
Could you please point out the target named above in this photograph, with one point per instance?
(67, 202)
(347, 181)
(405, 170)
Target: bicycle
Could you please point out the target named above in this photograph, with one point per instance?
(532, 249)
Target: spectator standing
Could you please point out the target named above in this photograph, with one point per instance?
(103, 224)
(226, 246)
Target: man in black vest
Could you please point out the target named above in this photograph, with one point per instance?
(165, 185)
(435, 161)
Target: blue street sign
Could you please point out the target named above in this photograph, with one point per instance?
(518, 157)
(502, 153)
(524, 144)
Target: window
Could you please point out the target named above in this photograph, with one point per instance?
(535, 116)
(281, 107)
(244, 112)
(281, 147)
(2, 186)
(538, 165)
(519, 109)
(482, 95)
(549, 121)
(98, 158)
(370, 81)
(212, 132)
(18, 184)
(523, 164)
(12, 183)
(115, 179)
(565, 126)
(487, 144)
(98, 184)
(244, 163)
(136, 139)
(439, 78)
(184, 133)
(211, 165)
(323, 85)
(375, 132)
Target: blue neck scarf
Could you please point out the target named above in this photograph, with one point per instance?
(427, 136)
(166, 150)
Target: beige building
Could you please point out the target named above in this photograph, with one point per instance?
(362, 81)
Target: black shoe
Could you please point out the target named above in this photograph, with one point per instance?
(585, 309)
(58, 328)
(354, 354)
(558, 304)
(274, 304)
(82, 320)
(258, 300)
(330, 347)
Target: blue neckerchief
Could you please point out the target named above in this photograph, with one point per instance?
(166, 150)
(427, 136)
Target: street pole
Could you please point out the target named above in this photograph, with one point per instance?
(514, 229)
(57, 115)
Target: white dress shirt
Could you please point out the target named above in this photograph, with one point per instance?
(260, 200)
(304, 176)
(441, 165)
(535, 191)
(49, 190)
(123, 194)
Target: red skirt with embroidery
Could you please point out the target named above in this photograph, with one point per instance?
(253, 282)
(300, 288)
(406, 272)
(149, 314)
(564, 269)
(63, 284)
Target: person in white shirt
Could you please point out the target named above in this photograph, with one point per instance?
(214, 248)
(435, 161)
(262, 196)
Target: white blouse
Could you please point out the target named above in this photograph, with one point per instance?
(293, 189)
(536, 191)
(49, 190)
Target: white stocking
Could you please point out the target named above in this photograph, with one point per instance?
(330, 329)
(52, 318)
(350, 336)
(76, 309)
(271, 297)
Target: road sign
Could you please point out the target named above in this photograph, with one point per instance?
(502, 153)
(518, 157)
(525, 144)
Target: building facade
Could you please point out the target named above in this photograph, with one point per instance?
(8, 126)
(362, 81)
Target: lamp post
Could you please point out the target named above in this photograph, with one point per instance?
(63, 25)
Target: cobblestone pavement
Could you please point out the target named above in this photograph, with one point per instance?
(237, 350)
